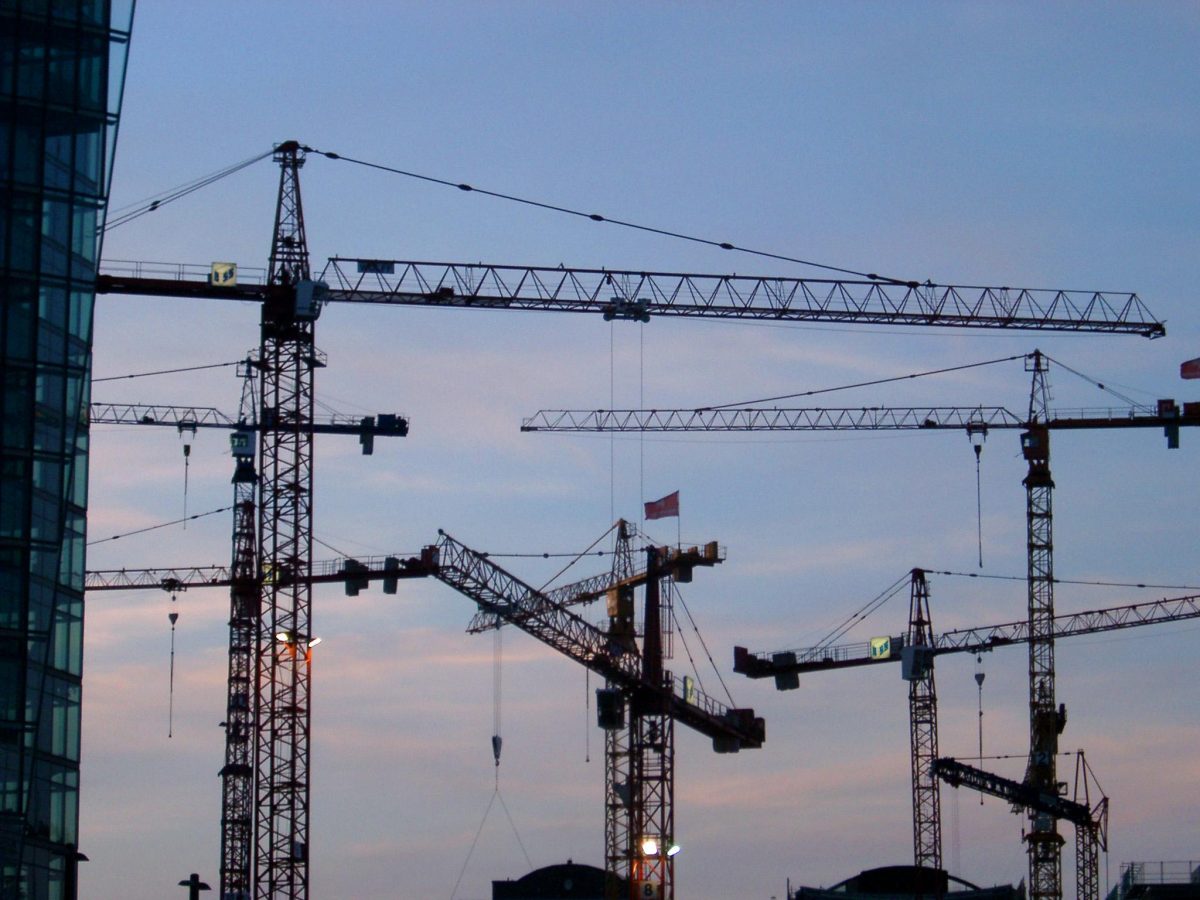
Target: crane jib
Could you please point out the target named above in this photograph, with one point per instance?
(639, 296)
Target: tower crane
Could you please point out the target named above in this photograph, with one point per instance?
(237, 772)
(639, 753)
(916, 651)
(1046, 719)
(291, 301)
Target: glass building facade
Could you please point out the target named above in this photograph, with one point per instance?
(62, 67)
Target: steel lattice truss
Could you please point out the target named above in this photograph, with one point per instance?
(922, 705)
(618, 831)
(762, 419)
(863, 418)
(285, 543)
(237, 774)
(158, 414)
(1019, 793)
(1044, 842)
(502, 594)
(586, 590)
(639, 295)
(326, 571)
(973, 640)
(1090, 839)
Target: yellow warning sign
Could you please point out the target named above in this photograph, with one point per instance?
(223, 274)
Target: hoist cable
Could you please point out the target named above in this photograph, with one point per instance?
(978, 506)
(1092, 381)
(707, 652)
(1120, 584)
(516, 834)
(475, 841)
(497, 738)
(152, 204)
(317, 540)
(847, 387)
(595, 217)
(471, 851)
(867, 608)
(576, 557)
(167, 371)
(171, 690)
(117, 537)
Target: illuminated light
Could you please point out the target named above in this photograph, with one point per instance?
(649, 847)
(673, 849)
(284, 637)
(314, 642)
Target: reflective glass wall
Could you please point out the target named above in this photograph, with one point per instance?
(57, 119)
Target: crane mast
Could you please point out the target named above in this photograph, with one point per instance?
(922, 718)
(245, 596)
(287, 358)
(1046, 720)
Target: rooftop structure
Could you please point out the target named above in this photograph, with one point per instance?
(1158, 881)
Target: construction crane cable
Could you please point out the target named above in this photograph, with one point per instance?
(595, 217)
(117, 537)
(516, 833)
(1092, 381)
(150, 205)
(871, 606)
(174, 617)
(1120, 584)
(707, 652)
(577, 557)
(687, 649)
(167, 371)
(317, 540)
(497, 738)
(847, 387)
(475, 841)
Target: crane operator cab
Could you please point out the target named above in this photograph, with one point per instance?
(241, 445)
(1035, 444)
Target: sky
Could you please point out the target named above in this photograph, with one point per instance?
(1014, 144)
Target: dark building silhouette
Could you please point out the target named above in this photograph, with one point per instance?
(905, 883)
(570, 881)
(62, 65)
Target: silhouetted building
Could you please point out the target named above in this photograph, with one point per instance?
(562, 882)
(905, 883)
(1158, 881)
(62, 65)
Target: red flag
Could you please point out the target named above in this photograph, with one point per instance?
(664, 508)
(1190, 369)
